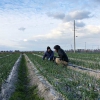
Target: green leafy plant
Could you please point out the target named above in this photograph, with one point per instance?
(23, 90)
(72, 84)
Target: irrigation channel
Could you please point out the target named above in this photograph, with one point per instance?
(44, 88)
(89, 71)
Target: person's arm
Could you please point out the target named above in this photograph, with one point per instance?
(44, 55)
(52, 55)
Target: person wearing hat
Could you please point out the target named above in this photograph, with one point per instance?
(49, 54)
(62, 59)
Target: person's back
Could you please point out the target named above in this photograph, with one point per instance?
(62, 59)
(62, 55)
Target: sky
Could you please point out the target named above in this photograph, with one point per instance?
(28, 25)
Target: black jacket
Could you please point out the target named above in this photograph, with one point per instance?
(62, 55)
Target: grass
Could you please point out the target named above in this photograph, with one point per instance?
(6, 64)
(72, 84)
(88, 60)
(23, 90)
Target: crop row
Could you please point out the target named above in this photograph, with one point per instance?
(73, 85)
(6, 64)
(87, 64)
(85, 60)
(4, 54)
(95, 57)
(82, 59)
(23, 91)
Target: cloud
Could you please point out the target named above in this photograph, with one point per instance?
(65, 31)
(25, 40)
(59, 32)
(43, 31)
(22, 29)
(56, 15)
(63, 35)
(5, 47)
(93, 29)
(97, 1)
(79, 24)
(75, 15)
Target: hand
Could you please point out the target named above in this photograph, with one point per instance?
(48, 58)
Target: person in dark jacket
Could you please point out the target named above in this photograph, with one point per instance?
(49, 54)
(62, 59)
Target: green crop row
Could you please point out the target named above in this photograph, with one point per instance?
(85, 60)
(82, 59)
(87, 64)
(4, 54)
(82, 56)
(6, 65)
(23, 90)
(73, 85)
(95, 57)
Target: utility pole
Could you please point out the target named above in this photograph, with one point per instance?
(74, 38)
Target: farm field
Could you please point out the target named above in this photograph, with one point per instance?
(77, 64)
(87, 60)
(6, 63)
(23, 91)
(71, 84)
(49, 50)
(4, 54)
(14, 81)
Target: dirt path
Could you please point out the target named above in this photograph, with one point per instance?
(45, 89)
(91, 72)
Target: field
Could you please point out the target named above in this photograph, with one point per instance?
(86, 60)
(70, 83)
(7, 61)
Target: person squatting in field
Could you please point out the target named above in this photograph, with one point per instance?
(62, 59)
(49, 54)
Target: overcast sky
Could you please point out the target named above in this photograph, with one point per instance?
(36, 24)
